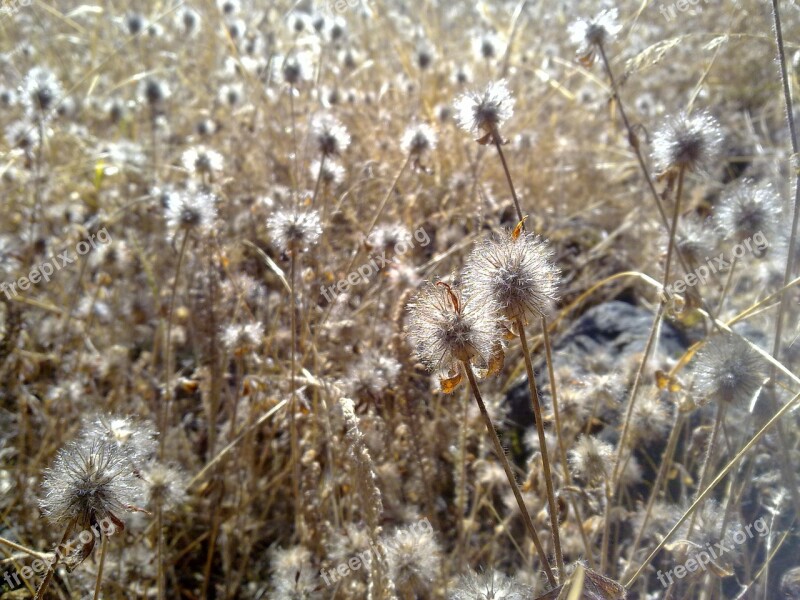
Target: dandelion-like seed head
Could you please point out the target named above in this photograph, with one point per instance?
(692, 143)
(90, 480)
(591, 458)
(418, 139)
(202, 160)
(749, 210)
(296, 68)
(292, 231)
(487, 45)
(136, 439)
(695, 240)
(515, 272)
(241, 338)
(445, 328)
(186, 210)
(482, 113)
(40, 91)
(330, 135)
(590, 34)
(489, 585)
(727, 370)
(412, 558)
(165, 486)
(333, 173)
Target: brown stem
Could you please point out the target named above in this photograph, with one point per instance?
(501, 456)
(498, 145)
(548, 477)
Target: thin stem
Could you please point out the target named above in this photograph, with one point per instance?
(562, 449)
(168, 349)
(296, 178)
(666, 461)
(712, 445)
(548, 477)
(51, 569)
(295, 444)
(498, 145)
(162, 587)
(99, 581)
(501, 456)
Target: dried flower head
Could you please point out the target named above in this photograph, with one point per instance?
(487, 45)
(40, 92)
(695, 240)
(590, 34)
(195, 211)
(483, 113)
(591, 459)
(418, 139)
(333, 173)
(515, 272)
(165, 486)
(292, 231)
(293, 574)
(692, 143)
(445, 328)
(330, 135)
(412, 557)
(136, 439)
(373, 373)
(750, 210)
(489, 585)
(202, 160)
(296, 67)
(90, 480)
(727, 370)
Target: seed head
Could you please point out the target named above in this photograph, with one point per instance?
(330, 135)
(242, 338)
(591, 459)
(749, 210)
(489, 585)
(40, 91)
(515, 272)
(195, 211)
(166, 486)
(296, 68)
(687, 142)
(333, 173)
(418, 139)
(136, 439)
(445, 328)
(153, 92)
(90, 479)
(413, 559)
(590, 34)
(695, 240)
(727, 370)
(202, 160)
(293, 231)
(483, 113)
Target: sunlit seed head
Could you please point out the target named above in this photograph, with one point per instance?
(445, 328)
(591, 459)
(516, 274)
(749, 209)
(590, 34)
(186, 210)
(418, 139)
(40, 92)
(692, 143)
(202, 160)
(294, 231)
(153, 92)
(330, 135)
(480, 113)
(727, 370)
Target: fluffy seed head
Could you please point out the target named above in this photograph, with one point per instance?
(727, 370)
(515, 272)
(445, 328)
(200, 159)
(489, 585)
(750, 209)
(195, 211)
(590, 34)
(695, 240)
(330, 135)
(136, 439)
(294, 230)
(688, 142)
(418, 139)
(591, 459)
(153, 92)
(90, 479)
(481, 113)
(40, 91)
(412, 557)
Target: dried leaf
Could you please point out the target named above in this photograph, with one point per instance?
(496, 361)
(518, 229)
(665, 382)
(449, 384)
(592, 587)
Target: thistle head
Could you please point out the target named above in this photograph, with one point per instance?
(591, 459)
(293, 231)
(330, 135)
(489, 584)
(589, 35)
(483, 113)
(749, 210)
(727, 370)
(515, 272)
(445, 328)
(418, 139)
(187, 211)
(690, 143)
